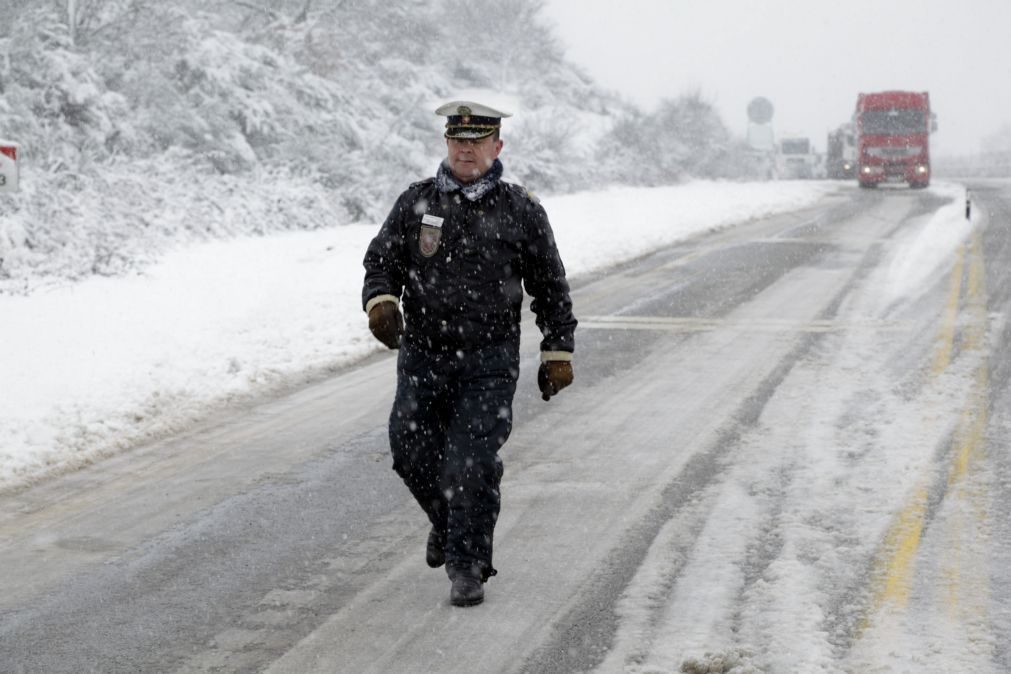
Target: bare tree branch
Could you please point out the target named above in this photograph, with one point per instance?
(304, 14)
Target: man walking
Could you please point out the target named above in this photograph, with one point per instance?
(458, 250)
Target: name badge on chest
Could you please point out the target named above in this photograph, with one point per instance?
(431, 234)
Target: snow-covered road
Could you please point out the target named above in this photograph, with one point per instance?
(92, 369)
(784, 451)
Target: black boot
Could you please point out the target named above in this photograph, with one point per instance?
(468, 588)
(435, 551)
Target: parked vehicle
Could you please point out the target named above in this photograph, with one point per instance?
(893, 138)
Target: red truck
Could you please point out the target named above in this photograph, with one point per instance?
(893, 138)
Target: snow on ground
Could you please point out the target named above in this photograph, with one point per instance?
(921, 251)
(808, 516)
(93, 368)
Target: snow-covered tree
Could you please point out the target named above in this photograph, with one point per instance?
(145, 124)
(683, 138)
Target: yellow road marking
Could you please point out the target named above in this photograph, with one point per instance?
(903, 542)
(969, 601)
(895, 565)
(976, 296)
(946, 339)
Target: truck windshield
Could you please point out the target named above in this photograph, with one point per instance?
(893, 122)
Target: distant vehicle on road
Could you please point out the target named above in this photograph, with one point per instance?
(796, 159)
(893, 137)
(841, 153)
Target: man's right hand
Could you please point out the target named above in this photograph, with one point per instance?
(387, 324)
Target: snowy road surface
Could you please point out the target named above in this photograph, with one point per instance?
(785, 451)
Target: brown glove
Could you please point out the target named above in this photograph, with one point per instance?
(553, 376)
(387, 324)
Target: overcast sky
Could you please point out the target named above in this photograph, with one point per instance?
(809, 57)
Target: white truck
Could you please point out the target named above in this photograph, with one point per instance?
(796, 159)
(841, 153)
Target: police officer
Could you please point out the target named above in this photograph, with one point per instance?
(457, 251)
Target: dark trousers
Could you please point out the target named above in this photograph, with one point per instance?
(452, 413)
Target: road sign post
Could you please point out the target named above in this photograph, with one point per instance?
(8, 166)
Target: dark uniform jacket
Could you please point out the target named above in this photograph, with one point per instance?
(458, 266)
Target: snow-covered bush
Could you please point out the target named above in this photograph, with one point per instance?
(144, 125)
(116, 220)
(683, 138)
(57, 103)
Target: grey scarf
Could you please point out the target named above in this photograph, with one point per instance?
(445, 181)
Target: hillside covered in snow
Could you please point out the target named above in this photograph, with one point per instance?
(145, 125)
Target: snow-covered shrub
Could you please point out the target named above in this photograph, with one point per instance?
(117, 220)
(683, 138)
(544, 150)
(57, 103)
(145, 124)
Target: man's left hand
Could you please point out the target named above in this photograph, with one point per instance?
(387, 324)
(553, 376)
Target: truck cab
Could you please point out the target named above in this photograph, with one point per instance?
(893, 138)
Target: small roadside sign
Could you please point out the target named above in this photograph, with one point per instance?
(8, 166)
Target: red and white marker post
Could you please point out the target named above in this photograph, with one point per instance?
(8, 166)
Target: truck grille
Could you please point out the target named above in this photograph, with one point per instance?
(895, 152)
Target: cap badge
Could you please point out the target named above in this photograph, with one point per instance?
(463, 110)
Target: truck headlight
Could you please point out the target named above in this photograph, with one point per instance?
(921, 169)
